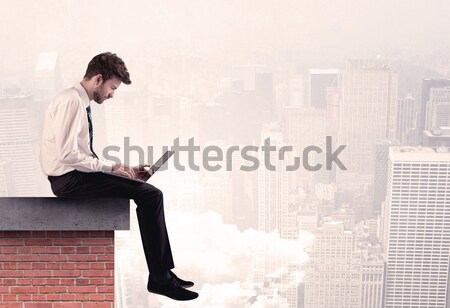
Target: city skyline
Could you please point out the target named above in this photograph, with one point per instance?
(232, 75)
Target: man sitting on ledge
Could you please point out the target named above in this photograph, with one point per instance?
(74, 170)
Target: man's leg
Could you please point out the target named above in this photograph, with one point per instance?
(150, 212)
(150, 209)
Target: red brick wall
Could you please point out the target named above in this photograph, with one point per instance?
(52, 269)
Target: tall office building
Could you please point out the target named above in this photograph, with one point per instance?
(319, 81)
(372, 277)
(380, 172)
(6, 185)
(304, 126)
(333, 277)
(438, 108)
(368, 112)
(19, 126)
(272, 185)
(427, 85)
(406, 120)
(296, 93)
(417, 233)
(47, 76)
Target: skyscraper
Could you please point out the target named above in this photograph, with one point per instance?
(380, 173)
(427, 85)
(406, 119)
(19, 126)
(368, 112)
(333, 277)
(438, 108)
(417, 233)
(319, 81)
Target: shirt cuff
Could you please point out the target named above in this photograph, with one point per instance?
(105, 165)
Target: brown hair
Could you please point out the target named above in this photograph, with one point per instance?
(108, 65)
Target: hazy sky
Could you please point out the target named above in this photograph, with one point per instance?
(235, 28)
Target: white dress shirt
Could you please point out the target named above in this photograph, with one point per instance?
(65, 136)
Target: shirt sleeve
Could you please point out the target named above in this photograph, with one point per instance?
(68, 117)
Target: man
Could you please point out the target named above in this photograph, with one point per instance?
(75, 171)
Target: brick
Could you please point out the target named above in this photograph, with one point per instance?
(67, 305)
(38, 266)
(38, 234)
(97, 297)
(52, 258)
(38, 242)
(5, 258)
(82, 282)
(53, 234)
(24, 266)
(53, 289)
(11, 242)
(10, 305)
(100, 234)
(24, 297)
(53, 297)
(38, 305)
(4, 289)
(11, 274)
(97, 249)
(54, 266)
(24, 282)
(9, 282)
(68, 266)
(9, 250)
(67, 242)
(109, 297)
(52, 282)
(24, 258)
(38, 281)
(67, 281)
(81, 297)
(9, 266)
(97, 281)
(97, 242)
(68, 234)
(98, 305)
(106, 258)
(68, 297)
(109, 281)
(82, 258)
(66, 273)
(105, 289)
(97, 274)
(97, 266)
(24, 290)
(68, 250)
(82, 289)
(39, 297)
(38, 273)
(53, 249)
(9, 297)
(81, 266)
(83, 250)
(24, 250)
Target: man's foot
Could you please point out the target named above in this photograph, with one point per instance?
(181, 282)
(170, 288)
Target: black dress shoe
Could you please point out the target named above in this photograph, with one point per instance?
(171, 288)
(181, 282)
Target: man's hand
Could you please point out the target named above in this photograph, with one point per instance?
(142, 173)
(124, 170)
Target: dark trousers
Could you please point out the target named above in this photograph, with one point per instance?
(150, 209)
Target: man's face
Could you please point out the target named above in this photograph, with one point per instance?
(106, 89)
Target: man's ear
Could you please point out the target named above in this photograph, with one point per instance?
(98, 79)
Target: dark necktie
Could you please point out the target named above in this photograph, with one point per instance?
(91, 130)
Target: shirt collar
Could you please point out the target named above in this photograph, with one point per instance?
(83, 94)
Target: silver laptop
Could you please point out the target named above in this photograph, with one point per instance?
(165, 157)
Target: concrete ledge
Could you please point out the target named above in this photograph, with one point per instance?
(60, 214)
